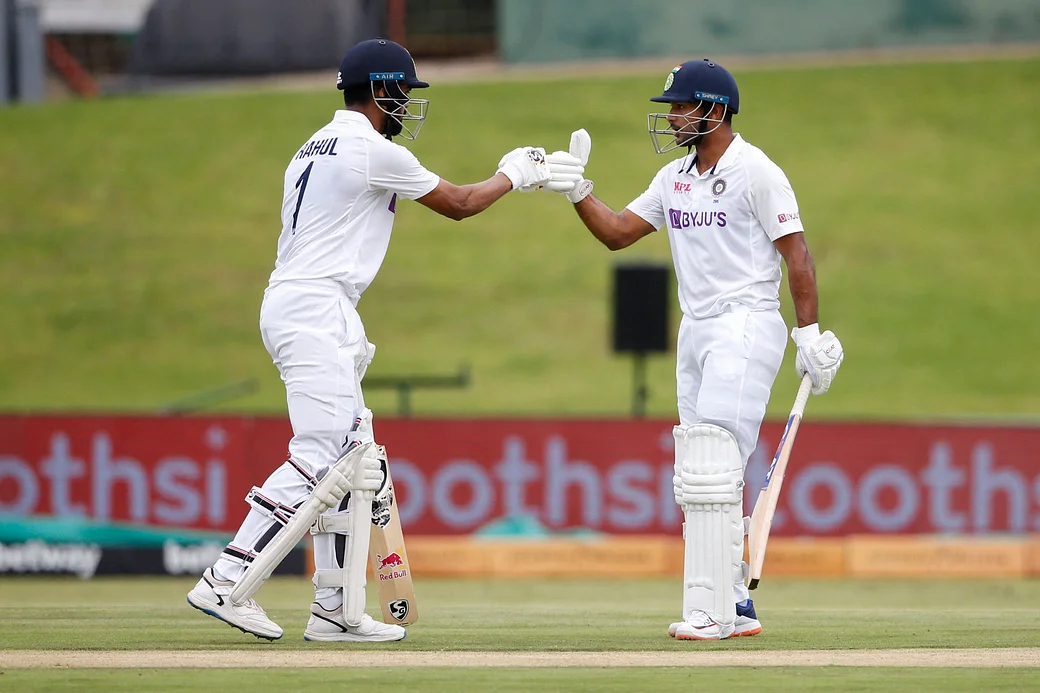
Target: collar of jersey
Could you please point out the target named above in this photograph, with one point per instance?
(345, 116)
(727, 159)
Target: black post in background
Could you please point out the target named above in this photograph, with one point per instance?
(22, 61)
(6, 45)
(639, 388)
(28, 70)
(641, 300)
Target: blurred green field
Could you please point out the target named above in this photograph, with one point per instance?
(136, 236)
(536, 616)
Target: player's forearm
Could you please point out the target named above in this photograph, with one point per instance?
(475, 198)
(801, 276)
(604, 223)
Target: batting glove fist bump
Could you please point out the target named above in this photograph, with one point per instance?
(567, 169)
(580, 148)
(525, 167)
(819, 355)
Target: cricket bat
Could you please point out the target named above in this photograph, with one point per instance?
(765, 506)
(390, 567)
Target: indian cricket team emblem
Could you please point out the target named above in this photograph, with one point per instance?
(399, 609)
(718, 187)
(671, 77)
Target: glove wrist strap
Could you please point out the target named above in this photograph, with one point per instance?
(582, 189)
(803, 336)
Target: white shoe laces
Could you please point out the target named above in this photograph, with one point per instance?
(699, 619)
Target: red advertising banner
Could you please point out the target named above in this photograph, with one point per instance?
(174, 472)
(457, 476)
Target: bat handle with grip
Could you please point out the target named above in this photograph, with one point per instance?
(802, 397)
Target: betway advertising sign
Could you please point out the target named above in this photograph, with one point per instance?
(191, 474)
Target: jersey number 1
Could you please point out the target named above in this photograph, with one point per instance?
(301, 185)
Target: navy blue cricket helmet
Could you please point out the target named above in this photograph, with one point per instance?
(693, 82)
(383, 64)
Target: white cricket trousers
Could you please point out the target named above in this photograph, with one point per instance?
(315, 336)
(725, 368)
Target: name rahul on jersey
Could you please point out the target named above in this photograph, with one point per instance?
(326, 147)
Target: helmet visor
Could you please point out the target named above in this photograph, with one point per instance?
(408, 113)
(687, 129)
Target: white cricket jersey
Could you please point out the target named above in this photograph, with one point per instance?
(721, 226)
(341, 191)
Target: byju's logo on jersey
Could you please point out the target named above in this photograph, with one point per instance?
(784, 218)
(718, 187)
(678, 219)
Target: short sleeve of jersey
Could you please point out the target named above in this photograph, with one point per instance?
(773, 202)
(650, 206)
(394, 168)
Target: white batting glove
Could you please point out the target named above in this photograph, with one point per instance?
(581, 190)
(525, 167)
(367, 474)
(580, 148)
(365, 360)
(507, 155)
(819, 355)
(565, 171)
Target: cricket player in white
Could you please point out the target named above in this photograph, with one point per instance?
(731, 215)
(341, 191)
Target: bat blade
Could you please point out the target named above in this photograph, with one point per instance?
(391, 569)
(765, 506)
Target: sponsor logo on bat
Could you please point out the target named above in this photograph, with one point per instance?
(392, 560)
(399, 609)
(779, 448)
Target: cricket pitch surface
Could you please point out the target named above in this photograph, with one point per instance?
(193, 659)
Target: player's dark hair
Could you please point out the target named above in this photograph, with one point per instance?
(357, 94)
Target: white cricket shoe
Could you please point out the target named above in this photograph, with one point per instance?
(213, 596)
(329, 626)
(699, 626)
(747, 622)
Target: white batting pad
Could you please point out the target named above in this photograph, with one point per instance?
(356, 524)
(327, 493)
(355, 563)
(712, 497)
